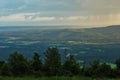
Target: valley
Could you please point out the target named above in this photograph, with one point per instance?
(86, 44)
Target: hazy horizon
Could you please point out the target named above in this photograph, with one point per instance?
(55, 26)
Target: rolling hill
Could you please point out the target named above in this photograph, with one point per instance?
(110, 34)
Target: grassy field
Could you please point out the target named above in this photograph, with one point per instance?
(52, 78)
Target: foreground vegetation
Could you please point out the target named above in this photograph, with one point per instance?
(19, 66)
(45, 78)
(55, 78)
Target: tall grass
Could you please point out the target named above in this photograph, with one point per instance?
(45, 78)
(51, 78)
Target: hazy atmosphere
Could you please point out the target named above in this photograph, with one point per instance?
(59, 39)
(87, 13)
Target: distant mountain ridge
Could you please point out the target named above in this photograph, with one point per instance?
(109, 34)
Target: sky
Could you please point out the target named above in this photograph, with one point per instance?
(85, 13)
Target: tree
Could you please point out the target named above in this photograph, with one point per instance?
(94, 68)
(1, 64)
(117, 67)
(105, 70)
(118, 64)
(5, 70)
(52, 62)
(19, 64)
(100, 69)
(36, 64)
(71, 66)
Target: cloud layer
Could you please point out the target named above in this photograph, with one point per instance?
(60, 12)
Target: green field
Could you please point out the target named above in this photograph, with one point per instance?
(53, 78)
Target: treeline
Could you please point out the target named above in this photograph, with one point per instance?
(18, 65)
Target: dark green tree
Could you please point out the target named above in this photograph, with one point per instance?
(52, 62)
(19, 64)
(94, 68)
(104, 70)
(1, 64)
(37, 65)
(99, 69)
(118, 64)
(117, 71)
(71, 66)
(5, 70)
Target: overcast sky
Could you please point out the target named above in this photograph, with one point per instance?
(87, 13)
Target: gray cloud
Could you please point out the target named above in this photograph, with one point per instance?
(101, 6)
(80, 12)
